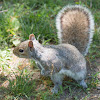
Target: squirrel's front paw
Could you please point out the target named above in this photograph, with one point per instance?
(54, 90)
(43, 72)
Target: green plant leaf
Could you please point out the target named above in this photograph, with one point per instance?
(16, 42)
(15, 23)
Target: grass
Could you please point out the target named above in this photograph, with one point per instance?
(21, 86)
(23, 17)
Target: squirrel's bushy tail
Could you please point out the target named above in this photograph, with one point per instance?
(75, 25)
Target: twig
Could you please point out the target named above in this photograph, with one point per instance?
(52, 69)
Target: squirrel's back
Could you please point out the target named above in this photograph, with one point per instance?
(75, 26)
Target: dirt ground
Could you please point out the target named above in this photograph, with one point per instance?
(20, 63)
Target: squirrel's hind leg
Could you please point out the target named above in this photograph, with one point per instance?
(82, 83)
(57, 80)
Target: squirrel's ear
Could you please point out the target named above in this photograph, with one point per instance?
(31, 37)
(30, 44)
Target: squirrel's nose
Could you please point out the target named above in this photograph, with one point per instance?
(14, 51)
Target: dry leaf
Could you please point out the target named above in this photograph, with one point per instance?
(5, 84)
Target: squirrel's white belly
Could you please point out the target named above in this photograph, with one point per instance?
(77, 76)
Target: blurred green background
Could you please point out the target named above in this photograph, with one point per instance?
(19, 18)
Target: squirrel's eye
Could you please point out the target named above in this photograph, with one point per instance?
(21, 50)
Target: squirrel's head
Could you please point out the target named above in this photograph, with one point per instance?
(25, 49)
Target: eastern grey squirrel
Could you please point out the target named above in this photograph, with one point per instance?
(75, 27)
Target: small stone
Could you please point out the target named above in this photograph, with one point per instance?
(98, 76)
(98, 88)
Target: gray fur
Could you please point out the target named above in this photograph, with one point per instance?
(65, 59)
(56, 61)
